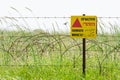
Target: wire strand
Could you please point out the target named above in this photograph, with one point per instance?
(49, 17)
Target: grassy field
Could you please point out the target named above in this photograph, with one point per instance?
(44, 56)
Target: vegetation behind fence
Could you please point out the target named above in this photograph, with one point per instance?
(53, 51)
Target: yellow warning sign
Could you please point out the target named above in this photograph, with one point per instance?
(83, 27)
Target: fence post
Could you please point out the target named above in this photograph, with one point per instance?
(84, 55)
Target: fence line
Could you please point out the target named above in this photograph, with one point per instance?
(20, 48)
(51, 17)
(54, 24)
(59, 35)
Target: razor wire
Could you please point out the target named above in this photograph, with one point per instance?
(12, 43)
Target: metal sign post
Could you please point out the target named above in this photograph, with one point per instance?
(84, 55)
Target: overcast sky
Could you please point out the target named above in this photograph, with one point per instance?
(108, 8)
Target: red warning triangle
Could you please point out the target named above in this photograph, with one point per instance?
(76, 23)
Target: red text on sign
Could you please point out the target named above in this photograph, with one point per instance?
(89, 24)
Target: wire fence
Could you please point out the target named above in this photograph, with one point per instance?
(51, 24)
(45, 41)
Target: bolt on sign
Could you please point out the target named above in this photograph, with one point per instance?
(83, 27)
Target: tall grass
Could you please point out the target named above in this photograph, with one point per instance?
(39, 55)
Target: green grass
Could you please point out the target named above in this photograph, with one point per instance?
(39, 55)
(57, 57)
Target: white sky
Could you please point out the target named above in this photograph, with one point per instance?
(55, 8)
(108, 8)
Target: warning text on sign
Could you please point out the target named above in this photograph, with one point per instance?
(83, 26)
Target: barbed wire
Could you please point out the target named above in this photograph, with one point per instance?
(50, 17)
(52, 35)
(65, 65)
